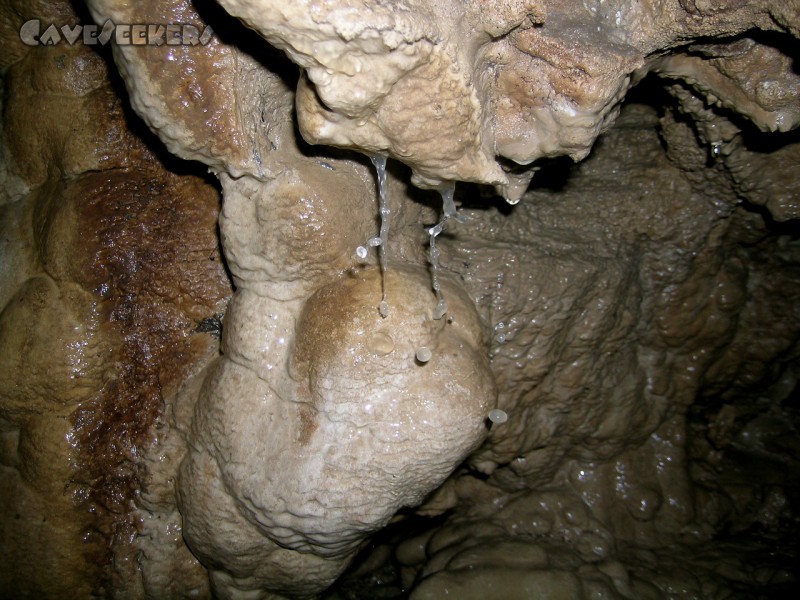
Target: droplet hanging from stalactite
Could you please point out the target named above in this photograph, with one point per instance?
(363, 251)
(423, 354)
(498, 416)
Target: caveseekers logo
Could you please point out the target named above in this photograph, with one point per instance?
(173, 34)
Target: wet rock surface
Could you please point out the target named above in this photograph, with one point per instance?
(110, 260)
(177, 424)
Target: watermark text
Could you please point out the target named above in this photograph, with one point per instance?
(32, 33)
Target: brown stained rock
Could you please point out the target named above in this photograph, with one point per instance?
(64, 118)
(187, 94)
(46, 543)
(553, 94)
(154, 264)
(765, 325)
(16, 12)
(111, 262)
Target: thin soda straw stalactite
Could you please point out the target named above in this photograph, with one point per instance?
(449, 205)
(449, 212)
(385, 212)
(433, 258)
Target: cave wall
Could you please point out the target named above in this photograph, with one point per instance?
(175, 423)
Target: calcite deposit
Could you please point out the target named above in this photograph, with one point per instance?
(582, 384)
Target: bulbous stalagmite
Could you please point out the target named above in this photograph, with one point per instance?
(293, 470)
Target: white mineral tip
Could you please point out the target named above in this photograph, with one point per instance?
(498, 416)
(440, 310)
(361, 252)
(424, 354)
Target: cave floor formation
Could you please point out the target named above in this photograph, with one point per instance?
(364, 300)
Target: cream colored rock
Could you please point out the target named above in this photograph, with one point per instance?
(316, 425)
(457, 90)
(286, 476)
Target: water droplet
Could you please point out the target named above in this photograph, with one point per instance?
(498, 416)
(424, 354)
(381, 344)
